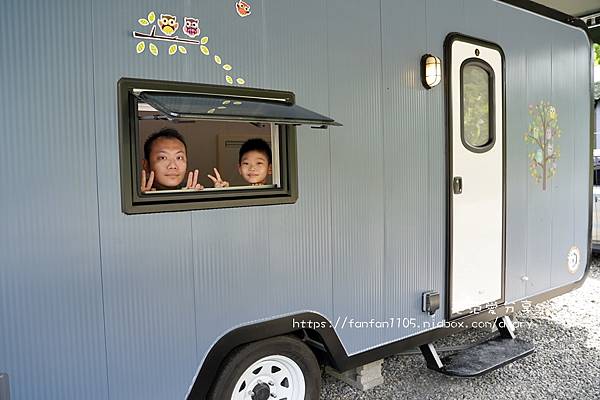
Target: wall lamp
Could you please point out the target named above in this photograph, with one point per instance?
(431, 71)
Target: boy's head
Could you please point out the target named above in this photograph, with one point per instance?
(255, 161)
(165, 153)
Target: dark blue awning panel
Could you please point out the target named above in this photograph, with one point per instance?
(199, 106)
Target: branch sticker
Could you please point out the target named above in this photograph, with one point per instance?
(242, 8)
(543, 133)
(168, 26)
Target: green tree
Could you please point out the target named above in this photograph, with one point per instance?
(596, 53)
(476, 102)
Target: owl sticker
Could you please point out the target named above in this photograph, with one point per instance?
(168, 24)
(191, 27)
(242, 8)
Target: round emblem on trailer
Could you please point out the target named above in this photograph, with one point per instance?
(573, 259)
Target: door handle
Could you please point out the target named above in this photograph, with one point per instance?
(457, 185)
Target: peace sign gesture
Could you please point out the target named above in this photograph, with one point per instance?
(192, 181)
(146, 185)
(219, 183)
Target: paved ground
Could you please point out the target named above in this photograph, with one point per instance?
(566, 364)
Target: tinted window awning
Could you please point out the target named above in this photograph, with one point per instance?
(200, 106)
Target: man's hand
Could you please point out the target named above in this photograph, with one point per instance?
(219, 183)
(147, 185)
(192, 181)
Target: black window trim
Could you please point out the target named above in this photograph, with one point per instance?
(491, 104)
(134, 202)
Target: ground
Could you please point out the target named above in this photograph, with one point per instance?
(565, 365)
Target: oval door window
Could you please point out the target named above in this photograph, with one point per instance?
(477, 115)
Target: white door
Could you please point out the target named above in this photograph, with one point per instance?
(476, 174)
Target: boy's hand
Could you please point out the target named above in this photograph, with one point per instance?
(147, 185)
(192, 181)
(219, 183)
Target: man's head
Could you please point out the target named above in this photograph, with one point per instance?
(255, 161)
(165, 153)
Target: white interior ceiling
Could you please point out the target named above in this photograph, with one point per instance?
(573, 7)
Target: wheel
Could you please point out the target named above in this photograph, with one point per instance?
(280, 368)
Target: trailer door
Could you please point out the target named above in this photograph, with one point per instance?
(476, 179)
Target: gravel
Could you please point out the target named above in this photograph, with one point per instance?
(565, 365)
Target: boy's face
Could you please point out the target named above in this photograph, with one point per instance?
(255, 167)
(168, 160)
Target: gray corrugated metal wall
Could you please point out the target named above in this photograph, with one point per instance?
(410, 181)
(539, 212)
(563, 226)
(548, 61)
(51, 322)
(112, 306)
(357, 168)
(516, 153)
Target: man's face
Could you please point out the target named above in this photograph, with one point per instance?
(255, 167)
(168, 160)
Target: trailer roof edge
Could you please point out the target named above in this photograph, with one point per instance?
(550, 13)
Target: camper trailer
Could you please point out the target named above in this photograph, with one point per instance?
(382, 174)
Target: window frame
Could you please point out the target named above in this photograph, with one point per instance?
(135, 202)
(491, 105)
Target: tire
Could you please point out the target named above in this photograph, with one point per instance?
(283, 366)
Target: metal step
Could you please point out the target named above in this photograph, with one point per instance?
(481, 358)
(486, 357)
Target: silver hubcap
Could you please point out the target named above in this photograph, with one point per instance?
(273, 377)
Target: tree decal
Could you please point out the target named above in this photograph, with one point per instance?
(542, 133)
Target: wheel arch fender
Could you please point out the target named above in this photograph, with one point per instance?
(314, 322)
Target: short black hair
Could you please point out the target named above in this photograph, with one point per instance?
(167, 133)
(255, 145)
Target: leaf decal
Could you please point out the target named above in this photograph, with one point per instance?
(172, 49)
(182, 50)
(226, 102)
(212, 110)
(221, 107)
(141, 46)
(204, 50)
(153, 49)
(218, 60)
(143, 22)
(237, 103)
(204, 40)
(151, 17)
(229, 79)
(240, 81)
(227, 67)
